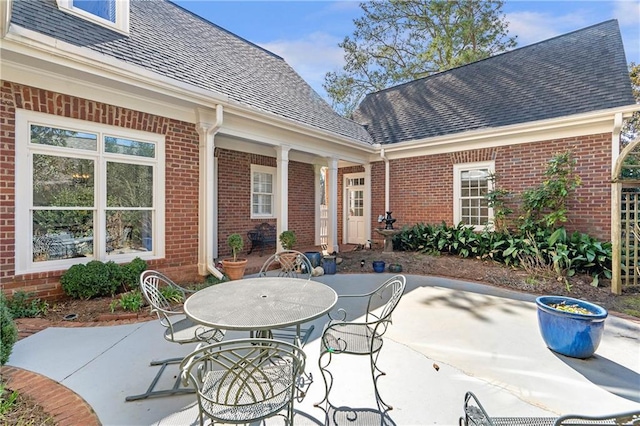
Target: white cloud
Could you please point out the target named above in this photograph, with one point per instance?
(312, 56)
(532, 27)
(627, 13)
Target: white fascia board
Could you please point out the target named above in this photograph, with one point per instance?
(50, 50)
(304, 129)
(557, 128)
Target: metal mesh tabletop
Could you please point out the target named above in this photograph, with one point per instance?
(260, 303)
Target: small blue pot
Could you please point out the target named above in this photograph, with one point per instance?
(571, 334)
(378, 266)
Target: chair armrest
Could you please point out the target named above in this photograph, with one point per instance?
(474, 412)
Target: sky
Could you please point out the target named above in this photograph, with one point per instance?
(306, 33)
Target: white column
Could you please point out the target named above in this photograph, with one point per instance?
(367, 202)
(282, 191)
(317, 170)
(332, 220)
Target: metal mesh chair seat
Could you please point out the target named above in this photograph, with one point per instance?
(476, 415)
(187, 331)
(351, 338)
(246, 380)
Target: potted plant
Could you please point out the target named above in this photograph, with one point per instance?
(569, 326)
(234, 268)
(288, 239)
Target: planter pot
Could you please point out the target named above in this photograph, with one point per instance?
(314, 257)
(378, 266)
(395, 268)
(573, 334)
(234, 270)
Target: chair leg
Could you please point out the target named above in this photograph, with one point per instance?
(375, 375)
(327, 377)
(177, 389)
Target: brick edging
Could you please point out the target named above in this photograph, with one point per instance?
(64, 405)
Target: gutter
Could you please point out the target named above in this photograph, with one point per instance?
(386, 179)
(208, 209)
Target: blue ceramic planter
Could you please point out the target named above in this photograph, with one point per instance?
(378, 266)
(571, 334)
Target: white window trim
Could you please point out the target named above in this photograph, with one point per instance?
(122, 15)
(23, 260)
(264, 169)
(457, 168)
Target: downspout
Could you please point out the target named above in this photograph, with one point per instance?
(616, 255)
(207, 179)
(5, 17)
(386, 180)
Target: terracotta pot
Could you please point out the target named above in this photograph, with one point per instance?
(234, 269)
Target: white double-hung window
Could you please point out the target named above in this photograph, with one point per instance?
(86, 191)
(262, 191)
(471, 184)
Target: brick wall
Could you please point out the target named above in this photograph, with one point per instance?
(421, 187)
(234, 198)
(181, 181)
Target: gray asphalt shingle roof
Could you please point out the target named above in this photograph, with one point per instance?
(175, 43)
(579, 72)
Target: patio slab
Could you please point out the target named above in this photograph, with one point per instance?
(447, 337)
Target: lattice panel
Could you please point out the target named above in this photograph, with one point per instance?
(630, 241)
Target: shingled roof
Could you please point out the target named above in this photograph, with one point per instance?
(175, 43)
(575, 73)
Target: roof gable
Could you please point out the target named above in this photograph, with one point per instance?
(175, 43)
(574, 73)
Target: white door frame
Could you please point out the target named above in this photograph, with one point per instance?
(345, 205)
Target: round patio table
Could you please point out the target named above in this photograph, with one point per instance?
(264, 303)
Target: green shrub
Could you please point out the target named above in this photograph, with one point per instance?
(8, 331)
(91, 280)
(23, 305)
(131, 273)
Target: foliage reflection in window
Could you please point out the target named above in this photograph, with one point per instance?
(472, 184)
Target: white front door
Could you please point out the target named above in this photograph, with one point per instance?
(355, 208)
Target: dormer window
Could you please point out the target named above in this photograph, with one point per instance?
(113, 14)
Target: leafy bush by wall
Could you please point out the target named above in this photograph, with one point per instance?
(94, 279)
(8, 331)
(131, 273)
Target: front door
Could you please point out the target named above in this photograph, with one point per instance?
(355, 209)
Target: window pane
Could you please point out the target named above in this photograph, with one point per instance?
(52, 136)
(129, 231)
(129, 147)
(129, 185)
(105, 9)
(62, 182)
(62, 234)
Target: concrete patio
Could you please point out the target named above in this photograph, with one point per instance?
(447, 337)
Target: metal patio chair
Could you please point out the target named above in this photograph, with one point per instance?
(245, 380)
(166, 299)
(365, 338)
(289, 264)
(476, 415)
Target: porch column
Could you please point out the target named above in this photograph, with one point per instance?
(317, 171)
(282, 192)
(367, 203)
(332, 204)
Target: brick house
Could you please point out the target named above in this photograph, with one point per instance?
(141, 129)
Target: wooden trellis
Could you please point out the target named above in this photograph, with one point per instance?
(626, 219)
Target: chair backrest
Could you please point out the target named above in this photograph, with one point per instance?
(287, 263)
(621, 419)
(164, 296)
(244, 380)
(390, 293)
